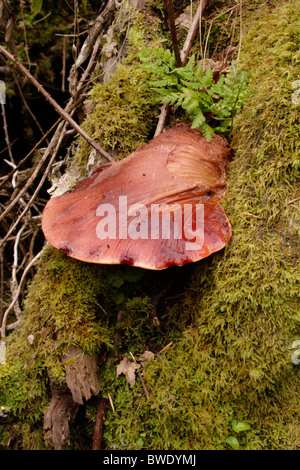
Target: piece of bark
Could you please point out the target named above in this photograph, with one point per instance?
(58, 417)
(81, 374)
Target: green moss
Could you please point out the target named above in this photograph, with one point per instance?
(124, 107)
(232, 328)
(122, 117)
(64, 307)
(234, 362)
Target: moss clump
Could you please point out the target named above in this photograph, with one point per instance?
(70, 303)
(234, 363)
(124, 107)
(64, 307)
(122, 104)
(231, 331)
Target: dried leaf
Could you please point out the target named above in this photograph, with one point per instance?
(128, 368)
(145, 357)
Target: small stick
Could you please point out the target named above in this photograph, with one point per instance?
(141, 377)
(163, 349)
(111, 403)
(183, 56)
(56, 106)
(4, 320)
(31, 152)
(6, 136)
(27, 184)
(162, 119)
(99, 424)
(58, 139)
(192, 32)
(63, 71)
(294, 200)
(173, 32)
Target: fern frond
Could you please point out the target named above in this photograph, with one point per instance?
(194, 90)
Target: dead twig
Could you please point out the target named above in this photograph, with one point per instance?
(56, 139)
(88, 44)
(171, 21)
(99, 424)
(294, 200)
(183, 57)
(24, 160)
(14, 281)
(141, 377)
(56, 106)
(15, 299)
(111, 402)
(192, 32)
(6, 135)
(63, 71)
(163, 349)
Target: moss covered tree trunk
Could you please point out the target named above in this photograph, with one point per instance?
(220, 331)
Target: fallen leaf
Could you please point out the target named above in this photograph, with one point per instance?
(145, 357)
(128, 368)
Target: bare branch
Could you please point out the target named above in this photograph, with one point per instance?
(184, 57)
(12, 304)
(7, 141)
(192, 32)
(173, 32)
(89, 43)
(24, 160)
(56, 106)
(56, 140)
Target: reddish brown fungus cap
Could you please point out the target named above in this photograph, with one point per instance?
(154, 209)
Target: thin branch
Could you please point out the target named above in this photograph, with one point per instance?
(294, 200)
(5, 316)
(56, 106)
(162, 120)
(111, 403)
(63, 71)
(58, 137)
(141, 377)
(6, 148)
(173, 32)
(94, 33)
(192, 32)
(90, 66)
(184, 57)
(89, 42)
(163, 349)
(241, 32)
(27, 185)
(6, 136)
(21, 162)
(14, 281)
(27, 106)
(99, 424)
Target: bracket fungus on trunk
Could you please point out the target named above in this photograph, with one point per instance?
(156, 208)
